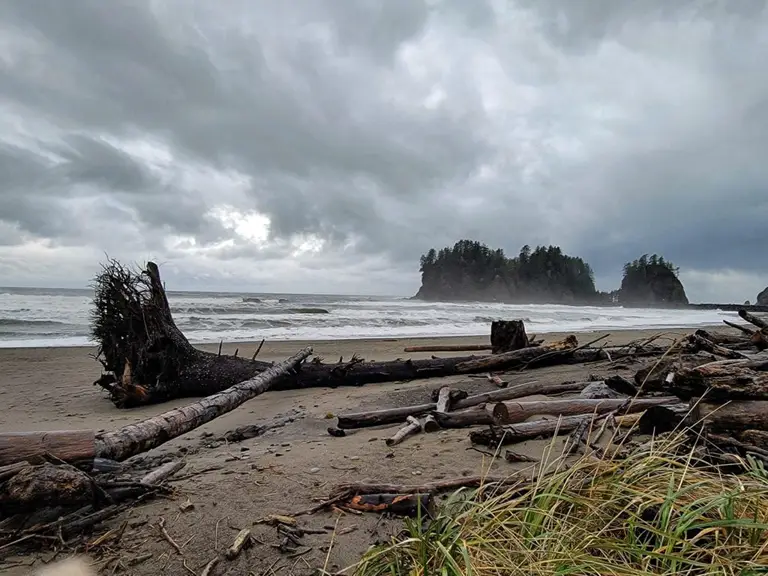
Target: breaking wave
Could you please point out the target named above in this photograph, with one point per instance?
(60, 318)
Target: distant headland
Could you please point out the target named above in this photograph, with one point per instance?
(471, 271)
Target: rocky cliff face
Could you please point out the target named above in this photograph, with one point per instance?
(655, 285)
(762, 298)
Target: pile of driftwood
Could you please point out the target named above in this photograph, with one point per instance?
(710, 382)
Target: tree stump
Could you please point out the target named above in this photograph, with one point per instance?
(508, 335)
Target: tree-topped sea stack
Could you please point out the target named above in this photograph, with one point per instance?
(650, 282)
(473, 271)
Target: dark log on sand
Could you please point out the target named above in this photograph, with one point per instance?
(734, 417)
(521, 411)
(137, 438)
(393, 415)
(761, 323)
(514, 412)
(502, 435)
(718, 381)
(508, 335)
(551, 355)
(397, 504)
(449, 348)
(435, 487)
(67, 445)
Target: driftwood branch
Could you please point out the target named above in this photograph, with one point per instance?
(761, 323)
(412, 427)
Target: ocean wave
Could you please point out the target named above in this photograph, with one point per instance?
(37, 319)
(22, 322)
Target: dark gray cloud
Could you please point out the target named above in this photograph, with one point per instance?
(323, 145)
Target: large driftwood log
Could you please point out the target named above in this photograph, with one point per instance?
(733, 417)
(521, 411)
(449, 348)
(515, 412)
(551, 356)
(725, 380)
(136, 438)
(496, 436)
(508, 335)
(67, 445)
(393, 415)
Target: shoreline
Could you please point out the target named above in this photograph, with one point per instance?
(444, 339)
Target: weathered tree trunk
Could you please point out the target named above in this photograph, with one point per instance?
(521, 411)
(515, 412)
(508, 335)
(392, 415)
(734, 417)
(496, 436)
(726, 380)
(550, 356)
(136, 438)
(449, 348)
(67, 445)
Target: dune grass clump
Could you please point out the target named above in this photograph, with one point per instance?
(659, 510)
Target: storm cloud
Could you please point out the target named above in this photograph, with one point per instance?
(319, 145)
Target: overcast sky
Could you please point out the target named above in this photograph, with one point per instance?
(324, 145)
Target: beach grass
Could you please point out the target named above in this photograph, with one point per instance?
(657, 510)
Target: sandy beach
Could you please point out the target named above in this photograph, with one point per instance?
(233, 485)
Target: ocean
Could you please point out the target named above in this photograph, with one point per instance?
(31, 317)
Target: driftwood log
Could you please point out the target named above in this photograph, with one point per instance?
(145, 435)
(515, 412)
(449, 348)
(723, 380)
(393, 415)
(495, 436)
(733, 417)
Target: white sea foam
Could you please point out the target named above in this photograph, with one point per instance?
(30, 317)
